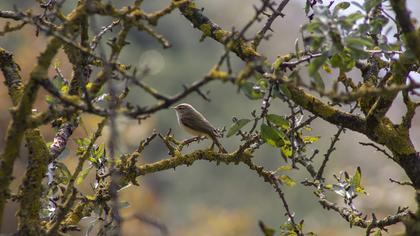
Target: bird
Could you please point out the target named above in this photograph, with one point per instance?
(196, 124)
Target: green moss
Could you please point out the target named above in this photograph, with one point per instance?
(82, 209)
(10, 70)
(189, 8)
(396, 140)
(31, 190)
(324, 110)
(17, 127)
(248, 50)
(242, 49)
(221, 35)
(206, 29)
(218, 74)
(311, 103)
(73, 99)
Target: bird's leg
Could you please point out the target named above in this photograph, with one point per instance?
(219, 145)
(199, 138)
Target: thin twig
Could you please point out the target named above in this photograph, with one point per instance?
(261, 34)
(327, 155)
(151, 221)
(378, 149)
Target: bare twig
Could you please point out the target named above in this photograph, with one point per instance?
(98, 37)
(261, 34)
(378, 149)
(327, 155)
(407, 183)
(151, 221)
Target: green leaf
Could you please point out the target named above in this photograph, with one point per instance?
(316, 64)
(285, 168)
(83, 142)
(327, 69)
(336, 61)
(358, 43)
(287, 150)
(251, 92)
(288, 227)
(354, 17)
(356, 177)
(272, 136)
(82, 175)
(297, 50)
(277, 63)
(285, 179)
(311, 139)
(237, 126)
(341, 6)
(92, 159)
(100, 151)
(378, 23)
(65, 173)
(267, 231)
(349, 21)
(64, 89)
(370, 4)
(97, 154)
(318, 80)
(313, 69)
(343, 60)
(278, 120)
(285, 90)
(328, 186)
(359, 53)
(58, 83)
(307, 6)
(314, 27)
(355, 181)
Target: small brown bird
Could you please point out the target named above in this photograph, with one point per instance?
(196, 124)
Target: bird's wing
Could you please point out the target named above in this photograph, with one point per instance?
(198, 123)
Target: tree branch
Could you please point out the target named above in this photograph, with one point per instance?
(260, 35)
(245, 51)
(18, 124)
(412, 36)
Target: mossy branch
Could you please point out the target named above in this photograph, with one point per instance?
(245, 51)
(189, 159)
(383, 132)
(240, 47)
(411, 34)
(20, 117)
(401, 69)
(31, 189)
(130, 171)
(23, 111)
(10, 70)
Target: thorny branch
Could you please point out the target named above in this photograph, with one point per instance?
(112, 171)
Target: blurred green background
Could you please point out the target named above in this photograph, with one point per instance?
(205, 199)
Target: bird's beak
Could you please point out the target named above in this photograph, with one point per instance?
(173, 107)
